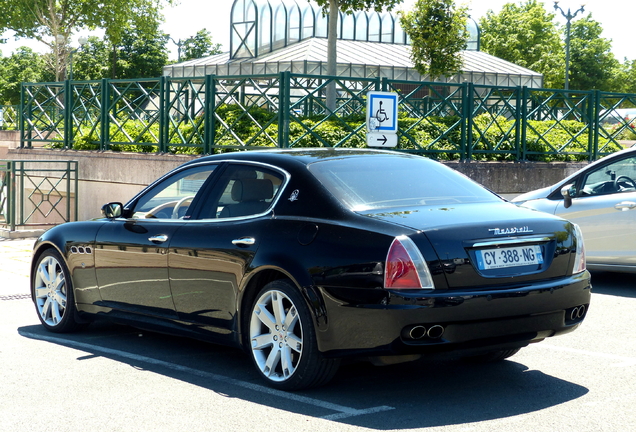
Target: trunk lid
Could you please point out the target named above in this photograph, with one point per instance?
(488, 244)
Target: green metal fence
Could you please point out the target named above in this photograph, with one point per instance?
(37, 192)
(214, 114)
(9, 117)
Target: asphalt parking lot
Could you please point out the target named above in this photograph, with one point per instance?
(115, 378)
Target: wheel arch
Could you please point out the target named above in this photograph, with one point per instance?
(38, 250)
(261, 277)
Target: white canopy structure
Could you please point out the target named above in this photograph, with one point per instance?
(272, 36)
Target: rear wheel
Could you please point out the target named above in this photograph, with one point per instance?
(492, 356)
(282, 340)
(52, 292)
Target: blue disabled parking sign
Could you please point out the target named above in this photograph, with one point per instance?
(382, 112)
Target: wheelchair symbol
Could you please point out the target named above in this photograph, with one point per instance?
(381, 114)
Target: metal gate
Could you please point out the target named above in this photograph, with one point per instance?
(37, 193)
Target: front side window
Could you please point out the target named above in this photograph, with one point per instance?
(171, 198)
(617, 177)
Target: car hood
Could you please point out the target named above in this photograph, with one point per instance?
(457, 233)
(535, 194)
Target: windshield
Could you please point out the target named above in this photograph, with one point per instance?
(386, 181)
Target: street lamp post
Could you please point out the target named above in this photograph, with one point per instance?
(568, 17)
(82, 41)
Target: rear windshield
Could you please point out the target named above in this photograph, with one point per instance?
(386, 181)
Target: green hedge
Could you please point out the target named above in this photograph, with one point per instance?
(493, 138)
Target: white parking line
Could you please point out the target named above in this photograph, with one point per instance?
(623, 361)
(342, 412)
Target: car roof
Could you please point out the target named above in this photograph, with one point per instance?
(304, 156)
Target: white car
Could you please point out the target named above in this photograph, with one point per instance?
(601, 199)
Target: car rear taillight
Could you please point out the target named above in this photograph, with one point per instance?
(405, 266)
(579, 258)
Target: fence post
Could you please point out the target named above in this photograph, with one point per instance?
(518, 109)
(21, 171)
(164, 113)
(524, 121)
(209, 117)
(595, 113)
(104, 135)
(23, 131)
(467, 117)
(68, 115)
(10, 180)
(283, 109)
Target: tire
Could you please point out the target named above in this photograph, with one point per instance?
(494, 356)
(282, 340)
(52, 293)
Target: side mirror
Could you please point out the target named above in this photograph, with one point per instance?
(568, 192)
(112, 210)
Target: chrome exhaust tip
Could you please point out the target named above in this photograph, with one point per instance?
(417, 332)
(435, 332)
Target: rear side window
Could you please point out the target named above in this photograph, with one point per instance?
(387, 181)
(242, 191)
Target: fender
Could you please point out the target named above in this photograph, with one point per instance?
(74, 241)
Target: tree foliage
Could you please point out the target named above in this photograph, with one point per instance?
(592, 63)
(438, 33)
(23, 65)
(138, 55)
(525, 34)
(141, 54)
(333, 8)
(199, 45)
(53, 22)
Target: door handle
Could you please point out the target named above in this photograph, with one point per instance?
(625, 205)
(158, 238)
(244, 241)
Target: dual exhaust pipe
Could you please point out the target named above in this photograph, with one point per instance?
(578, 313)
(419, 332)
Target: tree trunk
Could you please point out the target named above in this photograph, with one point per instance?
(332, 53)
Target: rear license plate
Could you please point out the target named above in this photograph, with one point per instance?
(490, 259)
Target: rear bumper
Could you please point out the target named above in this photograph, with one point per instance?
(473, 319)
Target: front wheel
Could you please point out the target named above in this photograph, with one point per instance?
(282, 340)
(52, 293)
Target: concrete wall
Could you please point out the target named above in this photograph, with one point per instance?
(8, 140)
(111, 176)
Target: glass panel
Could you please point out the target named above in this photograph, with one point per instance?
(322, 23)
(387, 28)
(377, 182)
(614, 178)
(374, 27)
(171, 198)
(293, 23)
(280, 26)
(243, 190)
(348, 27)
(362, 24)
(307, 22)
(265, 29)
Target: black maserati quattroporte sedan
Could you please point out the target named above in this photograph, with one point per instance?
(305, 257)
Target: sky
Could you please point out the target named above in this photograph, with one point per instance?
(190, 16)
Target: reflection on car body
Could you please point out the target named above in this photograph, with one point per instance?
(306, 257)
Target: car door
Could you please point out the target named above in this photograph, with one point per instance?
(605, 208)
(131, 253)
(209, 256)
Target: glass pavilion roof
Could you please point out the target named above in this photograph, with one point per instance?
(272, 36)
(262, 26)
